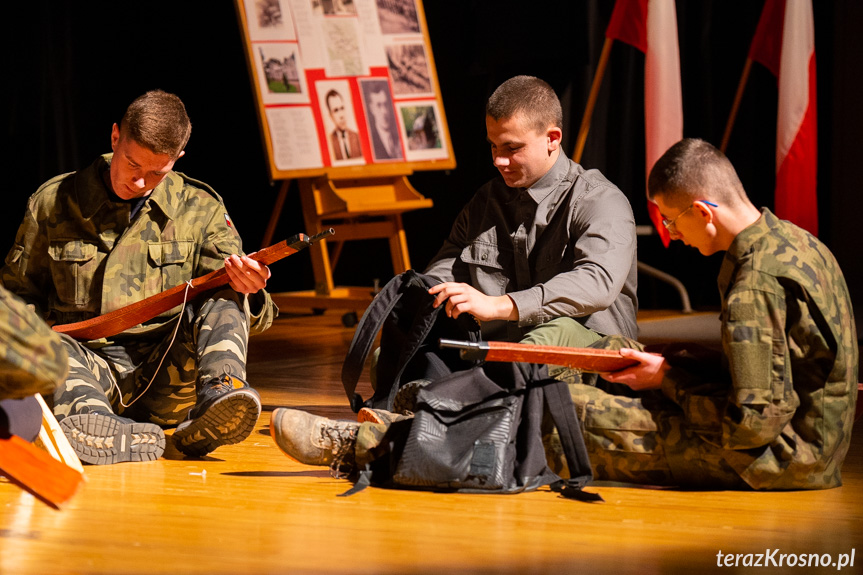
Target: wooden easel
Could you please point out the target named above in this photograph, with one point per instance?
(360, 198)
(358, 209)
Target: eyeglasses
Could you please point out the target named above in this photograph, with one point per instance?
(670, 224)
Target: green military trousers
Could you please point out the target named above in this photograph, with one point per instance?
(157, 380)
(641, 437)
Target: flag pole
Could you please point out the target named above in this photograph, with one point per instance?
(591, 100)
(732, 116)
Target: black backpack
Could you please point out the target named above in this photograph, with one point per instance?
(410, 329)
(475, 428)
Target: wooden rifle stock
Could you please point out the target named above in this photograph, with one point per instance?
(581, 358)
(119, 320)
(35, 471)
(52, 472)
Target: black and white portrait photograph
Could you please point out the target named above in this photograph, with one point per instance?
(337, 112)
(383, 128)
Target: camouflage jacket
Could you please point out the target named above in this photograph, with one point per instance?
(76, 255)
(786, 406)
(32, 357)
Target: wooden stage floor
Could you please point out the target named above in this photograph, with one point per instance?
(249, 509)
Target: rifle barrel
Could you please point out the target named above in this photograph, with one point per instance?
(469, 350)
(321, 235)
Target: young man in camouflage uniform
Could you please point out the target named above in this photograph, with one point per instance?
(32, 360)
(774, 409)
(123, 229)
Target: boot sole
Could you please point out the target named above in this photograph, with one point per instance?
(101, 440)
(405, 401)
(229, 420)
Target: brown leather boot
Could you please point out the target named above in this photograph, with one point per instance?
(314, 440)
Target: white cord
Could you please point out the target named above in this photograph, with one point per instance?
(173, 337)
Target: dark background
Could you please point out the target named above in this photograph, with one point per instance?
(69, 69)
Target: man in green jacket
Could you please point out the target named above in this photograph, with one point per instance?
(772, 410)
(125, 228)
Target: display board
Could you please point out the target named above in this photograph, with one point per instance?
(345, 88)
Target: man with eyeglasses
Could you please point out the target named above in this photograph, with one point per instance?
(669, 224)
(772, 410)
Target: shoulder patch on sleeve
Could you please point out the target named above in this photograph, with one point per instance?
(740, 311)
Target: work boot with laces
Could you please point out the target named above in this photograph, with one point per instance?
(314, 440)
(226, 413)
(105, 438)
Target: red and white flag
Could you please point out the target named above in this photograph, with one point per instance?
(651, 26)
(784, 43)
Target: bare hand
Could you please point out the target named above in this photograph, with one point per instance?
(648, 374)
(461, 298)
(246, 275)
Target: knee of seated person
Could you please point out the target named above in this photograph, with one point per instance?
(616, 342)
(224, 296)
(561, 332)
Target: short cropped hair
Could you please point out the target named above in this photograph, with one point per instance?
(158, 121)
(528, 96)
(693, 169)
(330, 95)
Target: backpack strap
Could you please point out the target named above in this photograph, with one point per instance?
(364, 479)
(559, 403)
(366, 333)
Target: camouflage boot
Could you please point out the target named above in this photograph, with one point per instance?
(226, 413)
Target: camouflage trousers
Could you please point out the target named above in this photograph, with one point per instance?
(640, 437)
(157, 380)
